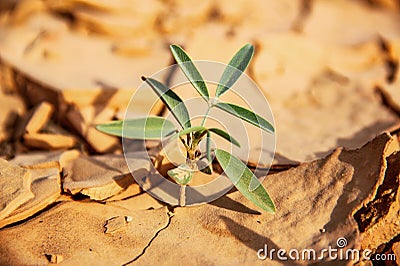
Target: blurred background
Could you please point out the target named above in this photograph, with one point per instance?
(329, 69)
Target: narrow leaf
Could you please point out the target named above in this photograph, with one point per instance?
(171, 100)
(141, 128)
(190, 70)
(191, 129)
(246, 115)
(208, 147)
(235, 68)
(225, 135)
(208, 152)
(241, 176)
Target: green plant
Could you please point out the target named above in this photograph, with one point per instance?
(191, 135)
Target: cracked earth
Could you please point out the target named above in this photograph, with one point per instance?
(330, 72)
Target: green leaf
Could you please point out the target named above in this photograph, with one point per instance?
(241, 177)
(246, 115)
(190, 70)
(141, 128)
(225, 135)
(191, 129)
(208, 152)
(235, 68)
(171, 100)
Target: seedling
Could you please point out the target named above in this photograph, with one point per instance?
(191, 135)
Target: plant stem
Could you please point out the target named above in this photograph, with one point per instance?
(182, 196)
(205, 116)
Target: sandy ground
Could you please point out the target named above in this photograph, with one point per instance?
(330, 73)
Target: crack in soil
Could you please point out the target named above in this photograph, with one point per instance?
(170, 215)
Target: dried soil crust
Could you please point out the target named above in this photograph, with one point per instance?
(229, 230)
(15, 187)
(76, 231)
(321, 76)
(315, 216)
